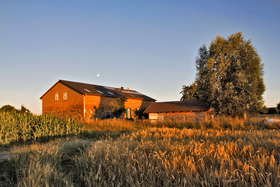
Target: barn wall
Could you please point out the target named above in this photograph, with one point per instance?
(179, 116)
(133, 103)
(186, 116)
(98, 106)
(72, 106)
(92, 103)
(95, 106)
(136, 104)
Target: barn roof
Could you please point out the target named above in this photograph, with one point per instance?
(92, 89)
(178, 106)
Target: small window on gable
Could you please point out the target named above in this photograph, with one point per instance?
(56, 96)
(65, 96)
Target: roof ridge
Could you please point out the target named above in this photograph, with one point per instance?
(107, 91)
(180, 101)
(96, 85)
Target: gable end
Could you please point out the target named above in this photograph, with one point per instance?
(64, 85)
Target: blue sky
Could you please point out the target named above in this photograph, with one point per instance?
(149, 46)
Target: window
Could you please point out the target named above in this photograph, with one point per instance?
(56, 96)
(65, 96)
(153, 115)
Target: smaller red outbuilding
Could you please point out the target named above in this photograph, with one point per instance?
(196, 110)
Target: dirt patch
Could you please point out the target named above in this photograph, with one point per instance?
(4, 156)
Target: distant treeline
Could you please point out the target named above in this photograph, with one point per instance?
(272, 110)
(9, 108)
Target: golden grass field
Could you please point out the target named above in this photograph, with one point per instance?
(224, 152)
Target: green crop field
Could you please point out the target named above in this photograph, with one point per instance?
(224, 152)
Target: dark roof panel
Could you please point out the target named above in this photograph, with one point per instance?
(92, 89)
(177, 106)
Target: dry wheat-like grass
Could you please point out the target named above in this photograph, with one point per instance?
(15, 127)
(157, 157)
(115, 125)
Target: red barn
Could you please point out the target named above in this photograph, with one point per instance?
(88, 101)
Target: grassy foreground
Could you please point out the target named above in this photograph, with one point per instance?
(64, 152)
(25, 128)
(153, 157)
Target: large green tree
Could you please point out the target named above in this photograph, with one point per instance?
(230, 76)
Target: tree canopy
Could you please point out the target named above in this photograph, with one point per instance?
(230, 76)
(189, 92)
(9, 108)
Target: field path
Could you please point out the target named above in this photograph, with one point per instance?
(4, 156)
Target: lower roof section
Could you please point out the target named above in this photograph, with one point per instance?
(178, 106)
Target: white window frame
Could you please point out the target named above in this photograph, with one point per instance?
(65, 96)
(153, 116)
(56, 96)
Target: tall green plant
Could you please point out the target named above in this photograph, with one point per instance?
(118, 108)
(16, 126)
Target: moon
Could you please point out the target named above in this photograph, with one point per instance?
(97, 75)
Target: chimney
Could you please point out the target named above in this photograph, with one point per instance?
(122, 88)
(128, 88)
